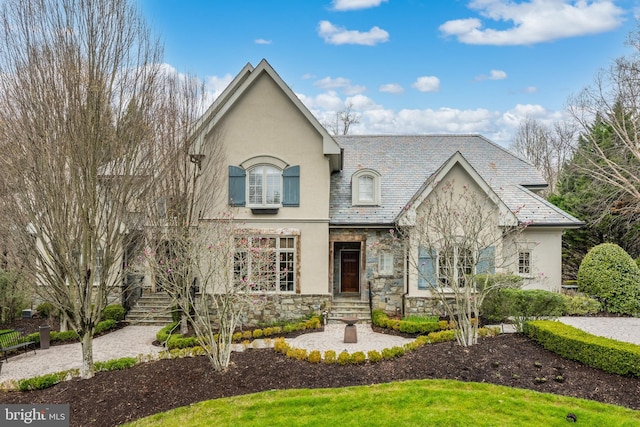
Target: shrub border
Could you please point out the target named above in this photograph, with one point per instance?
(598, 352)
(379, 318)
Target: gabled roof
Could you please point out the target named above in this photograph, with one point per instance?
(408, 214)
(407, 162)
(240, 84)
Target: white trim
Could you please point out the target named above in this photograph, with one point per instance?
(408, 216)
(264, 187)
(355, 187)
(264, 160)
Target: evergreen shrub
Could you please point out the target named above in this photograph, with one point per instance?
(609, 274)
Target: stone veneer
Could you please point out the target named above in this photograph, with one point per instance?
(274, 308)
(422, 306)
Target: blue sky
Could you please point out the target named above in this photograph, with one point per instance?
(406, 66)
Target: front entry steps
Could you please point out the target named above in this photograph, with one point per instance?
(153, 309)
(343, 307)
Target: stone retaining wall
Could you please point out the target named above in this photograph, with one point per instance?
(274, 308)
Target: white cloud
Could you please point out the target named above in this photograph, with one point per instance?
(498, 126)
(427, 84)
(263, 41)
(535, 21)
(339, 35)
(493, 75)
(215, 85)
(530, 89)
(391, 88)
(340, 83)
(512, 118)
(361, 103)
(355, 4)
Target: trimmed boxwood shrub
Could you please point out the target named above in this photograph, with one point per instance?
(380, 319)
(609, 274)
(41, 382)
(115, 364)
(603, 353)
(113, 312)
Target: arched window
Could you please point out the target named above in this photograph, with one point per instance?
(265, 186)
(365, 188)
(264, 183)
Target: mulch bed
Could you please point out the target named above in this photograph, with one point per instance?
(112, 398)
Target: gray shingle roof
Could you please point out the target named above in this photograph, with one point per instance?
(405, 162)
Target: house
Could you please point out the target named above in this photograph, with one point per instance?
(323, 201)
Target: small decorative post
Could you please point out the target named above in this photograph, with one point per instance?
(350, 331)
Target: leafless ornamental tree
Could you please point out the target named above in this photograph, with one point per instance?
(79, 92)
(457, 238)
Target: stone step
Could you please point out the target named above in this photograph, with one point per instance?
(151, 309)
(349, 307)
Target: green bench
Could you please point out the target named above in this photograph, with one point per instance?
(15, 340)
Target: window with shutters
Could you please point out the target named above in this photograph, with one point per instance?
(264, 186)
(456, 263)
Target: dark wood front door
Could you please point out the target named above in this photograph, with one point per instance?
(350, 271)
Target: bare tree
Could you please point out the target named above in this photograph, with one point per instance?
(79, 93)
(171, 220)
(547, 148)
(457, 240)
(343, 121)
(607, 112)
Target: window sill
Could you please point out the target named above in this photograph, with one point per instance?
(264, 210)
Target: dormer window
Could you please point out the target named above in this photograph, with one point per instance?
(265, 186)
(365, 188)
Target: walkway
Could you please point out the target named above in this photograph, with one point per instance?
(625, 329)
(133, 341)
(126, 342)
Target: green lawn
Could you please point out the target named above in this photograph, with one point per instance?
(412, 403)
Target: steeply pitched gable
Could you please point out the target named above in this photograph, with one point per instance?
(408, 215)
(240, 84)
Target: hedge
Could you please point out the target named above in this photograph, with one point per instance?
(379, 318)
(177, 341)
(603, 353)
(54, 336)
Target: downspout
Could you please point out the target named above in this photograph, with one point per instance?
(406, 278)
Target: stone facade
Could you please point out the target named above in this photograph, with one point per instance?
(274, 308)
(422, 306)
(388, 287)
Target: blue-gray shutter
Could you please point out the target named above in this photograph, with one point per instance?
(486, 261)
(427, 268)
(291, 186)
(237, 186)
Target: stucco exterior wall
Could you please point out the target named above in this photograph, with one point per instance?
(545, 245)
(466, 190)
(264, 122)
